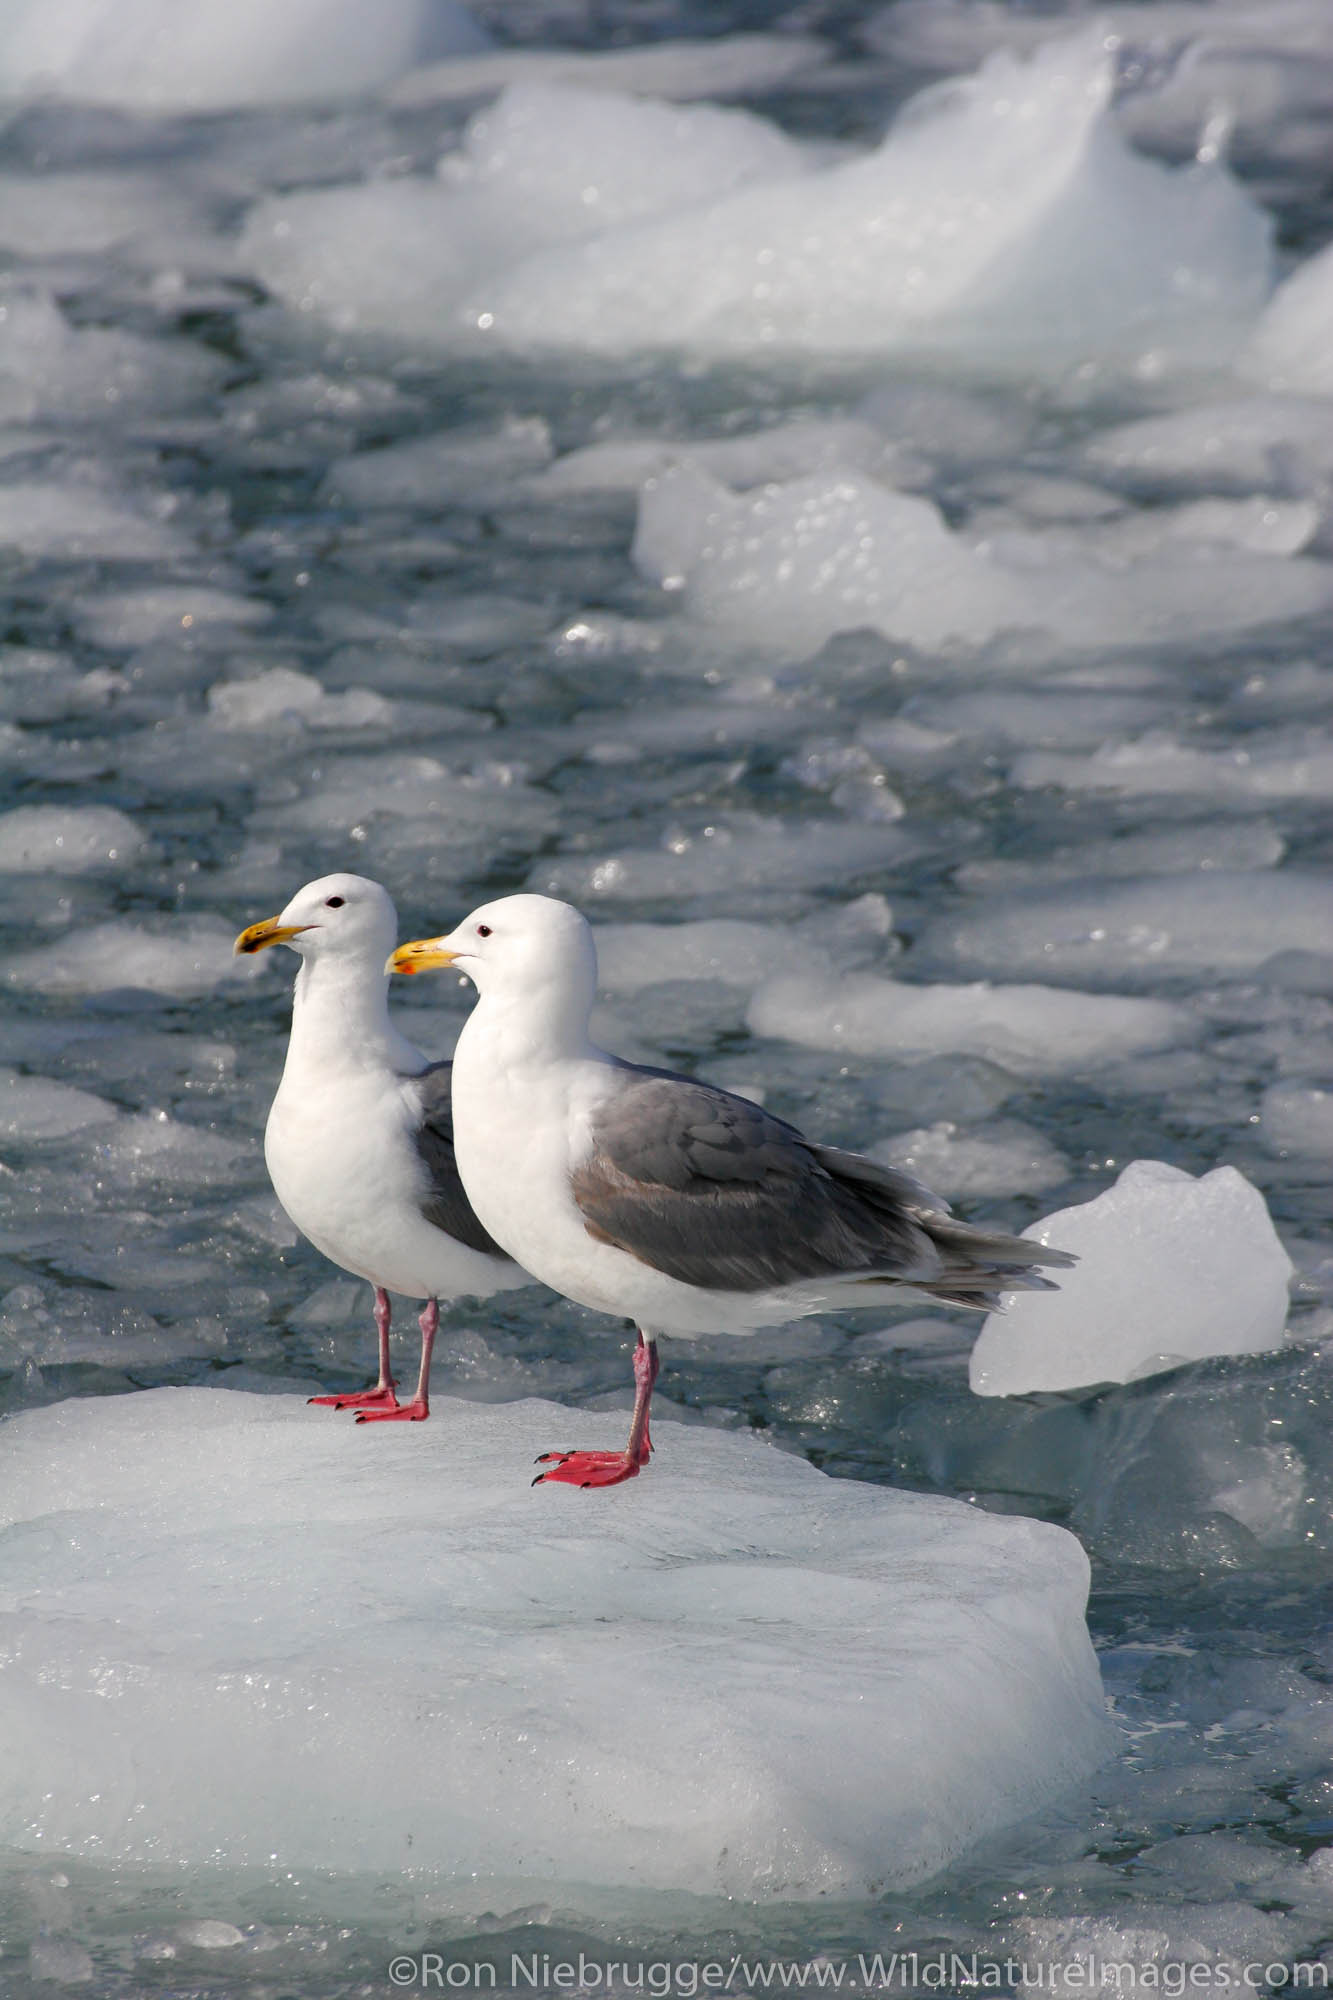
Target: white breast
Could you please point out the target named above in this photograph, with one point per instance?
(520, 1130)
(345, 1166)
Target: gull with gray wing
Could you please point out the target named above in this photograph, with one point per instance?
(660, 1198)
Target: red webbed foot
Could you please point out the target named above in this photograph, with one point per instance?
(415, 1412)
(364, 1399)
(611, 1468)
(589, 1468)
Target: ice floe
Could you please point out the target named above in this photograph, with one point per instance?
(1210, 922)
(789, 567)
(1171, 1269)
(68, 840)
(1032, 1030)
(1290, 348)
(851, 1685)
(152, 56)
(1002, 218)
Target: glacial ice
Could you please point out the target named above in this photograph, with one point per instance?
(151, 55)
(1297, 1117)
(792, 565)
(1003, 218)
(1209, 923)
(180, 959)
(37, 1107)
(1031, 1030)
(1171, 1269)
(1290, 348)
(1005, 1157)
(68, 521)
(1281, 766)
(848, 1685)
(50, 368)
(1247, 444)
(67, 840)
(130, 618)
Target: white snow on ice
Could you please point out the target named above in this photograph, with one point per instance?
(748, 1680)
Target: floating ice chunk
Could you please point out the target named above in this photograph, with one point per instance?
(281, 695)
(404, 806)
(67, 840)
(1228, 844)
(1004, 217)
(155, 56)
(1261, 525)
(544, 164)
(61, 1961)
(962, 1692)
(633, 956)
(450, 470)
(1297, 1118)
(1055, 716)
(1005, 220)
(36, 1107)
(792, 565)
(1032, 1030)
(1170, 1269)
(48, 367)
(210, 1934)
(1265, 768)
(722, 66)
(155, 1150)
(88, 214)
(1255, 444)
(69, 522)
(1211, 922)
(183, 960)
(1003, 1158)
(1290, 348)
(780, 452)
(1224, 1940)
(727, 860)
(577, 162)
(58, 1325)
(132, 618)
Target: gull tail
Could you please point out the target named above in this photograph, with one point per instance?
(957, 1263)
(977, 1265)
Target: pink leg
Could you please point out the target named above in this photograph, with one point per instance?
(418, 1409)
(381, 1396)
(609, 1468)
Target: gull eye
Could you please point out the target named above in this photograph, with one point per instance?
(334, 902)
(483, 930)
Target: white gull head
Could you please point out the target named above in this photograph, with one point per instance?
(344, 917)
(532, 959)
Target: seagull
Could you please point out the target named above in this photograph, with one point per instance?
(359, 1141)
(661, 1198)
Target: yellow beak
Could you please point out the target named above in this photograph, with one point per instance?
(422, 955)
(260, 936)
